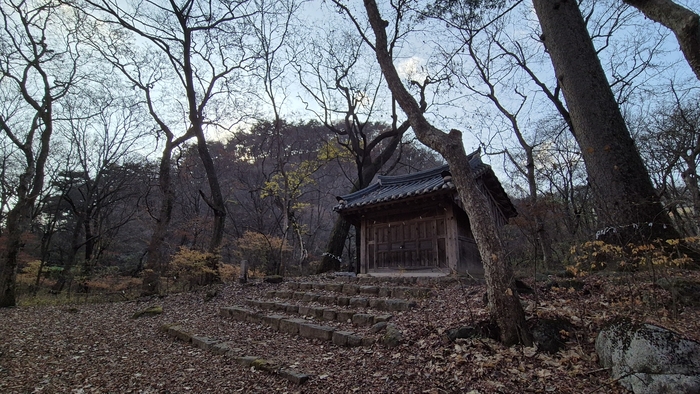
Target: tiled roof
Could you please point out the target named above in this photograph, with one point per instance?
(391, 188)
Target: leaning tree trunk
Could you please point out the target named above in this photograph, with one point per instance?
(684, 23)
(336, 244)
(334, 250)
(504, 305)
(625, 197)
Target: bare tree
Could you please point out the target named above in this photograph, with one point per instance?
(39, 63)
(504, 304)
(684, 23)
(206, 51)
(670, 140)
(103, 132)
(346, 96)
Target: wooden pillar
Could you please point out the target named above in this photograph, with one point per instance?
(451, 239)
(364, 264)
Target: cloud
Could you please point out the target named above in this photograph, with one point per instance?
(412, 69)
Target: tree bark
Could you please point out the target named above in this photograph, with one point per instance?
(684, 23)
(504, 305)
(336, 244)
(625, 197)
(155, 261)
(367, 169)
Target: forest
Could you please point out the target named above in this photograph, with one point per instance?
(150, 147)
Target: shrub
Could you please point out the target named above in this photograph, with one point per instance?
(192, 268)
(262, 251)
(598, 255)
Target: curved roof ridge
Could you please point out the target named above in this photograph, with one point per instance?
(392, 179)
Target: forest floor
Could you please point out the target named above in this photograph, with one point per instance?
(100, 348)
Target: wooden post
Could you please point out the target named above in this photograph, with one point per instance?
(244, 272)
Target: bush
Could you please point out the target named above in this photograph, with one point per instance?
(192, 268)
(261, 251)
(598, 255)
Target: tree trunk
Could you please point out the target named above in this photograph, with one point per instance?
(625, 197)
(155, 261)
(17, 223)
(366, 172)
(504, 305)
(215, 202)
(684, 23)
(336, 243)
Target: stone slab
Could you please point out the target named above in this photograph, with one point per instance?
(362, 319)
(344, 315)
(221, 348)
(327, 299)
(310, 297)
(292, 309)
(304, 310)
(316, 312)
(358, 302)
(291, 326)
(203, 343)
(273, 321)
(238, 313)
(314, 331)
(350, 289)
(294, 376)
(179, 333)
(369, 290)
(329, 314)
(346, 338)
(377, 303)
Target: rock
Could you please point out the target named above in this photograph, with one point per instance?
(392, 337)
(550, 335)
(483, 329)
(523, 288)
(150, 311)
(378, 327)
(462, 332)
(649, 359)
(294, 376)
(274, 279)
(345, 274)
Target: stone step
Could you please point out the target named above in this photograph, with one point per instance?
(228, 349)
(390, 304)
(352, 289)
(319, 312)
(296, 326)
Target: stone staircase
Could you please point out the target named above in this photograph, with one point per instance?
(343, 311)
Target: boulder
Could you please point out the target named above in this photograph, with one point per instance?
(649, 359)
(392, 336)
(550, 335)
